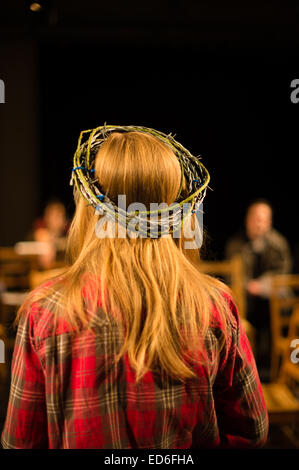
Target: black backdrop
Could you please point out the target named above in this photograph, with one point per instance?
(233, 108)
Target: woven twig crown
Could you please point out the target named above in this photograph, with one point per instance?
(153, 222)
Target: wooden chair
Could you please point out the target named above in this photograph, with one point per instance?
(15, 268)
(281, 397)
(282, 298)
(232, 272)
(14, 279)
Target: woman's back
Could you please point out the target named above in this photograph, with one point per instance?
(69, 392)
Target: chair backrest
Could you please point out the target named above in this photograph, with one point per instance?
(15, 268)
(289, 372)
(232, 272)
(283, 296)
(38, 277)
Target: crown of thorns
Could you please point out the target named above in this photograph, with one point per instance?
(153, 223)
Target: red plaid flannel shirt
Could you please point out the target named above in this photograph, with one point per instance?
(68, 393)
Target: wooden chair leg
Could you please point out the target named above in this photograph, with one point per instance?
(291, 432)
(274, 366)
(3, 365)
(3, 374)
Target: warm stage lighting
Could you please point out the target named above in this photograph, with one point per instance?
(35, 6)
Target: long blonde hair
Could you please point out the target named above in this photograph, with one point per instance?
(161, 300)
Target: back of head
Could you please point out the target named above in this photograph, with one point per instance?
(139, 166)
(135, 165)
(159, 298)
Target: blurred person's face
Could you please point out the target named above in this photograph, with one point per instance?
(258, 220)
(55, 217)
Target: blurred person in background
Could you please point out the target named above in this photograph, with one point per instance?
(51, 229)
(265, 252)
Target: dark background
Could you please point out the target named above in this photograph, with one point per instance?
(216, 74)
